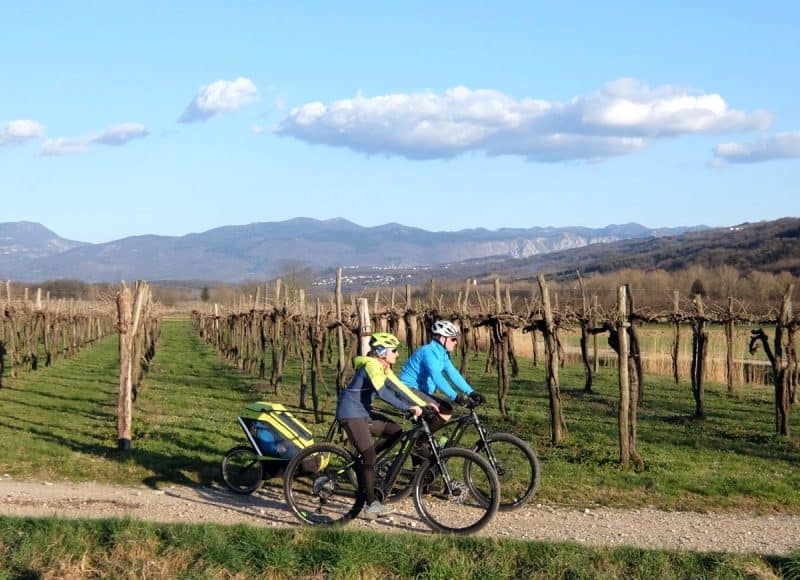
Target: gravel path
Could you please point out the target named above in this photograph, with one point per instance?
(644, 528)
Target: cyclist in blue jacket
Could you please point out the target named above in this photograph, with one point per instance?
(430, 368)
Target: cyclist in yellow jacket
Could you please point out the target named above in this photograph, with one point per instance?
(374, 376)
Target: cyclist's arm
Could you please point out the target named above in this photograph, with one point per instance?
(434, 368)
(452, 373)
(390, 389)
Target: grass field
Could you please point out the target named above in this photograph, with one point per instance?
(184, 420)
(129, 549)
(59, 423)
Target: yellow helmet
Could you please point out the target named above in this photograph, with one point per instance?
(383, 340)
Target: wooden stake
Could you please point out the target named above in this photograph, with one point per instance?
(125, 396)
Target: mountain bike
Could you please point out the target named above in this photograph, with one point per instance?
(455, 491)
(514, 461)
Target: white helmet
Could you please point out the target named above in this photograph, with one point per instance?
(444, 328)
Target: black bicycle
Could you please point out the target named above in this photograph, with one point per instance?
(455, 490)
(514, 461)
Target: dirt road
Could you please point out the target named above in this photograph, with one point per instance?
(645, 528)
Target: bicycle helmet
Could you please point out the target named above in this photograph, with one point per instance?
(383, 340)
(444, 328)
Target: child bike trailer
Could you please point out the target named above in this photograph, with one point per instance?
(274, 437)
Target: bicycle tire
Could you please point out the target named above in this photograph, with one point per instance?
(460, 511)
(332, 493)
(241, 471)
(517, 468)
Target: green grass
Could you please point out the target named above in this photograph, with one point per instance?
(60, 422)
(184, 420)
(33, 548)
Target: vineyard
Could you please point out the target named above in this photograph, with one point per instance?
(37, 332)
(730, 342)
(748, 345)
(196, 374)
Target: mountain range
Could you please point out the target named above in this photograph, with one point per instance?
(391, 252)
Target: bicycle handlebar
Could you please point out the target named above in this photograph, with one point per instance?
(427, 413)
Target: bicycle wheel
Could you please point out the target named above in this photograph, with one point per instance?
(516, 465)
(241, 471)
(444, 499)
(322, 485)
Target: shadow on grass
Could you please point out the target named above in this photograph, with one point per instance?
(165, 469)
(68, 398)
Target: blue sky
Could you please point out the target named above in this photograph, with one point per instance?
(168, 118)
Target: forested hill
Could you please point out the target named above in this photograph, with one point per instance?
(765, 246)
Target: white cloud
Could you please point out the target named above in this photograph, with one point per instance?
(115, 135)
(622, 117)
(62, 146)
(217, 97)
(19, 131)
(779, 146)
(120, 134)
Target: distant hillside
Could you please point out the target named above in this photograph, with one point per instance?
(31, 240)
(22, 243)
(263, 250)
(765, 246)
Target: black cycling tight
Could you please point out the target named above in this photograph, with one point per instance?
(361, 432)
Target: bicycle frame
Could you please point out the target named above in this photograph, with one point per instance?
(405, 443)
(459, 426)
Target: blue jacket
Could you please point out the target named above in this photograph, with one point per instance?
(373, 377)
(426, 370)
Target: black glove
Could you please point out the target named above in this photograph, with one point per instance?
(477, 397)
(462, 400)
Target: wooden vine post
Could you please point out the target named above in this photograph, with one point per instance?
(628, 381)
(699, 352)
(138, 346)
(466, 330)
(364, 326)
(302, 332)
(125, 387)
(558, 426)
(509, 334)
(500, 342)
(729, 320)
(276, 340)
(624, 377)
(137, 336)
(317, 333)
(676, 339)
(340, 363)
(593, 324)
(533, 330)
(783, 359)
(410, 318)
(585, 320)
(633, 347)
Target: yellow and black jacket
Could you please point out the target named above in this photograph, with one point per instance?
(372, 377)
